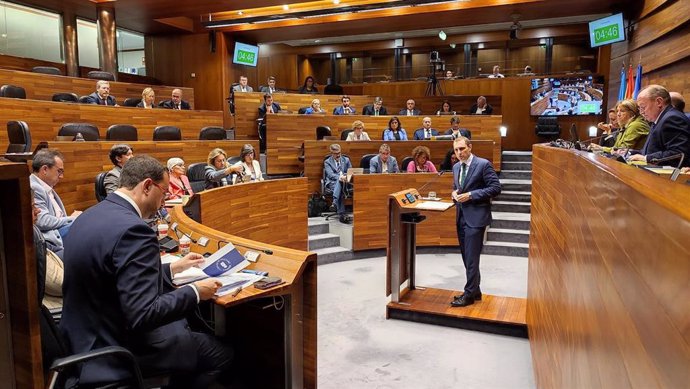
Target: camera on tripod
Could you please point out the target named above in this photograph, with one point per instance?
(438, 65)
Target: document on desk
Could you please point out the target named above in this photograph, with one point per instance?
(433, 205)
(234, 283)
(227, 260)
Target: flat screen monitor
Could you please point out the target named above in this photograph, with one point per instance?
(567, 96)
(245, 54)
(606, 31)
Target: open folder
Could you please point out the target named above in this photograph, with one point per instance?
(224, 262)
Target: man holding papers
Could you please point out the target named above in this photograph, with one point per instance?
(117, 292)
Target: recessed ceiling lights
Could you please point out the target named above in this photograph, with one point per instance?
(286, 7)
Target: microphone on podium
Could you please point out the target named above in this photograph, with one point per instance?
(433, 179)
(681, 156)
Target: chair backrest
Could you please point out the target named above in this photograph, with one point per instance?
(99, 187)
(364, 162)
(302, 110)
(345, 133)
(212, 133)
(197, 177)
(84, 100)
(131, 102)
(322, 131)
(262, 137)
(548, 126)
(406, 161)
(167, 133)
(101, 75)
(87, 130)
(123, 132)
(66, 97)
(12, 91)
(47, 70)
(161, 104)
(19, 137)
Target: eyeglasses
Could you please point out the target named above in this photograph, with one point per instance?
(165, 192)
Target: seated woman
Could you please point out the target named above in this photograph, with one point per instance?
(450, 160)
(251, 169)
(635, 128)
(179, 183)
(421, 162)
(357, 133)
(394, 131)
(218, 170)
(607, 139)
(147, 98)
(445, 109)
(309, 86)
(314, 108)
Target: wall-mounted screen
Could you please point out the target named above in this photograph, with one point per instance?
(606, 31)
(245, 54)
(576, 95)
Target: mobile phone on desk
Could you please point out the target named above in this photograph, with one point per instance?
(268, 282)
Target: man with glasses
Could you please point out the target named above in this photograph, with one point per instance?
(335, 179)
(117, 292)
(176, 101)
(410, 109)
(48, 169)
(384, 162)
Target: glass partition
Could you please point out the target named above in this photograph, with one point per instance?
(30, 33)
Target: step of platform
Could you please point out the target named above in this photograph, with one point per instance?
(332, 254)
(320, 241)
(509, 220)
(514, 195)
(508, 249)
(516, 156)
(516, 174)
(516, 185)
(317, 226)
(508, 235)
(511, 206)
(513, 165)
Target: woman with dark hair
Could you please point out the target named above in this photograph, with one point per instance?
(394, 131)
(309, 86)
(445, 109)
(450, 160)
(251, 169)
(421, 161)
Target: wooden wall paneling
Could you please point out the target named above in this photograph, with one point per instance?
(675, 77)
(45, 118)
(573, 58)
(84, 160)
(603, 235)
(282, 67)
(519, 57)
(260, 211)
(26, 64)
(42, 86)
(487, 58)
(285, 139)
(164, 58)
(315, 151)
(207, 67)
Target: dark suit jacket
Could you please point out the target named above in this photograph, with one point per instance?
(169, 104)
(463, 131)
(262, 109)
(369, 110)
(482, 181)
(487, 111)
(416, 111)
(116, 292)
(340, 110)
(419, 134)
(670, 136)
(94, 99)
(141, 105)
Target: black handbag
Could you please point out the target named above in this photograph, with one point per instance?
(316, 205)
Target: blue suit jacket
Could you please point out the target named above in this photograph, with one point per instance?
(419, 134)
(339, 110)
(482, 181)
(116, 292)
(331, 172)
(670, 136)
(375, 165)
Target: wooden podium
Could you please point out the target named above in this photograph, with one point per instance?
(494, 314)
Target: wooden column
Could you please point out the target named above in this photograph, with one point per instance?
(69, 30)
(107, 37)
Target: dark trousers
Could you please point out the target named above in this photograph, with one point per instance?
(213, 363)
(471, 240)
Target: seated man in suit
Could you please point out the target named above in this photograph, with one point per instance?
(48, 169)
(345, 108)
(271, 87)
(426, 132)
(119, 154)
(117, 293)
(670, 133)
(455, 129)
(102, 94)
(242, 86)
(375, 109)
(410, 109)
(384, 162)
(268, 106)
(176, 101)
(678, 102)
(335, 178)
(481, 108)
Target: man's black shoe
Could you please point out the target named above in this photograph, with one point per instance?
(462, 301)
(477, 296)
(345, 219)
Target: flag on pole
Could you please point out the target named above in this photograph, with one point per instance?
(630, 84)
(638, 81)
(621, 90)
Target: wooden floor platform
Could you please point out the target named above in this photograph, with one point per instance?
(494, 314)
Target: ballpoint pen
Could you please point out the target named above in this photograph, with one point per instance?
(235, 293)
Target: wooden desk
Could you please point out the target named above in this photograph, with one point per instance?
(45, 118)
(84, 160)
(286, 134)
(316, 150)
(268, 336)
(609, 269)
(42, 86)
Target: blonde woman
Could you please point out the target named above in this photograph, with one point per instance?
(218, 170)
(148, 97)
(357, 133)
(314, 108)
(635, 128)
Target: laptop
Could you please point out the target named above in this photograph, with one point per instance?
(352, 171)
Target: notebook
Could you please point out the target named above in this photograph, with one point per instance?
(352, 171)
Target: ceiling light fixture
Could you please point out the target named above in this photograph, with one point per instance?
(442, 35)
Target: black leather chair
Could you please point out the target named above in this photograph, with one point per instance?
(122, 132)
(345, 133)
(100, 75)
(547, 126)
(87, 130)
(197, 177)
(131, 102)
(84, 100)
(66, 97)
(12, 91)
(167, 133)
(406, 161)
(212, 133)
(302, 110)
(262, 135)
(322, 131)
(47, 70)
(99, 187)
(19, 137)
(364, 162)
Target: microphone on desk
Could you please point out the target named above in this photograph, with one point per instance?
(681, 156)
(431, 180)
(265, 251)
(590, 140)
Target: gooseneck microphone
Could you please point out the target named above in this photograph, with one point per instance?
(590, 140)
(439, 174)
(681, 156)
(265, 251)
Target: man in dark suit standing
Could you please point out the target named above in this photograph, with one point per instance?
(482, 107)
(474, 184)
(670, 133)
(376, 109)
(102, 94)
(268, 106)
(117, 292)
(176, 101)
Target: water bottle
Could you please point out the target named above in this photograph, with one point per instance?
(185, 245)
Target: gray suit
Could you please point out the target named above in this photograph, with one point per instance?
(112, 180)
(238, 88)
(47, 222)
(375, 165)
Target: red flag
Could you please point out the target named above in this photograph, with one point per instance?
(630, 88)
